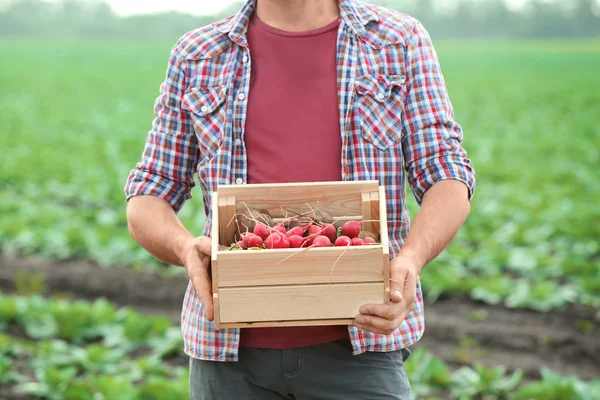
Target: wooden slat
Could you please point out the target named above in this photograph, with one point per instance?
(213, 257)
(375, 212)
(383, 218)
(309, 302)
(305, 266)
(366, 212)
(226, 221)
(308, 322)
(230, 225)
(383, 234)
(215, 244)
(222, 221)
(336, 198)
(338, 221)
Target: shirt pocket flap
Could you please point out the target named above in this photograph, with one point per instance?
(204, 100)
(379, 87)
(380, 108)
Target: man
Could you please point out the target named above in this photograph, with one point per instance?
(304, 90)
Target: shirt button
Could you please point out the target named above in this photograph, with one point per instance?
(245, 59)
(204, 109)
(380, 95)
(238, 142)
(239, 181)
(241, 96)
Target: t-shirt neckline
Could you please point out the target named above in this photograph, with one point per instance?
(313, 32)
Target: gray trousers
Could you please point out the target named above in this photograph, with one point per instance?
(328, 372)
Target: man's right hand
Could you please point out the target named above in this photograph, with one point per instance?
(195, 256)
(155, 226)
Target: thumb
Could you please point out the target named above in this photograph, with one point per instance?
(397, 279)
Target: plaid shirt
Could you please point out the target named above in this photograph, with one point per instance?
(395, 118)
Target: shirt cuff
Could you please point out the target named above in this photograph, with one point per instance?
(142, 182)
(431, 171)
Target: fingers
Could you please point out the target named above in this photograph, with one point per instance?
(377, 324)
(385, 318)
(197, 266)
(388, 311)
(380, 320)
(203, 287)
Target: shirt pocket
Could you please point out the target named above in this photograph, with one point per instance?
(208, 110)
(380, 106)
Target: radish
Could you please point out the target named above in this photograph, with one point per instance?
(241, 245)
(314, 231)
(321, 241)
(280, 228)
(343, 241)
(357, 242)
(277, 240)
(330, 231)
(296, 231)
(254, 241)
(261, 230)
(246, 236)
(369, 240)
(351, 229)
(296, 241)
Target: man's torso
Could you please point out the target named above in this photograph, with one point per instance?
(370, 67)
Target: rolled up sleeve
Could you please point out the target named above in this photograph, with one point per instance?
(170, 154)
(431, 138)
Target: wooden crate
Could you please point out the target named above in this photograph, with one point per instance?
(259, 288)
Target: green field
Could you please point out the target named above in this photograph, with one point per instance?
(73, 123)
(72, 350)
(75, 117)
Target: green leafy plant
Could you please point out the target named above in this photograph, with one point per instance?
(553, 386)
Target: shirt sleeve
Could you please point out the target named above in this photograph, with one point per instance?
(170, 154)
(432, 139)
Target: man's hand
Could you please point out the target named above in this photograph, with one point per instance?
(195, 256)
(155, 226)
(386, 318)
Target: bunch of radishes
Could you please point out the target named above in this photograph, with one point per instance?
(304, 235)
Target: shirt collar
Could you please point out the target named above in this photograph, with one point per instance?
(352, 12)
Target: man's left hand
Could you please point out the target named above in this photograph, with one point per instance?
(386, 318)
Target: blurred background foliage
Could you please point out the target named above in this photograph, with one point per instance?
(455, 19)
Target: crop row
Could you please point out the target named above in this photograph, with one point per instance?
(59, 349)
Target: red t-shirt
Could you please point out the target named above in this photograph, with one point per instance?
(292, 133)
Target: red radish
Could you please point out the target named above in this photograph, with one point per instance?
(246, 236)
(321, 241)
(351, 229)
(296, 231)
(280, 228)
(343, 241)
(241, 245)
(357, 242)
(308, 241)
(330, 231)
(314, 231)
(261, 230)
(255, 241)
(277, 240)
(296, 241)
(369, 240)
